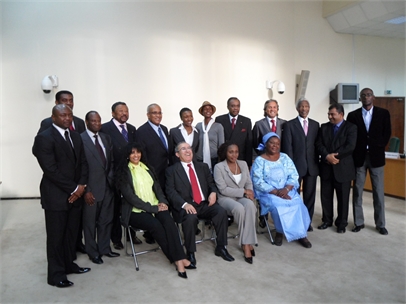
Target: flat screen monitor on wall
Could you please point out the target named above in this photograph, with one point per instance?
(345, 93)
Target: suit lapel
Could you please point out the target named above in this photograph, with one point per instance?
(229, 173)
(180, 171)
(61, 141)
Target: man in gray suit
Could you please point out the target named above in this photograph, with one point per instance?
(271, 123)
(299, 143)
(99, 208)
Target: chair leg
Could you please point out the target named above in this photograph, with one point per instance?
(137, 268)
(270, 234)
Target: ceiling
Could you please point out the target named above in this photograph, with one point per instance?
(366, 17)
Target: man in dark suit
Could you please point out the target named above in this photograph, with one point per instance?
(99, 208)
(271, 123)
(64, 97)
(237, 129)
(157, 144)
(299, 143)
(336, 143)
(121, 133)
(62, 159)
(78, 125)
(192, 194)
(374, 131)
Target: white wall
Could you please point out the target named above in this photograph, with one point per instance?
(176, 54)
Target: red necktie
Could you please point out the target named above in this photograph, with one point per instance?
(232, 123)
(195, 187)
(100, 150)
(273, 128)
(71, 128)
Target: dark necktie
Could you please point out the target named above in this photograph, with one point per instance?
(124, 132)
(100, 150)
(195, 187)
(69, 142)
(335, 130)
(273, 128)
(233, 123)
(161, 135)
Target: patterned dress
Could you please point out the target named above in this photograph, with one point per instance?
(290, 217)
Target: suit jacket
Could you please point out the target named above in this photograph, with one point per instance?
(156, 153)
(119, 143)
(179, 189)
(263, 127)
(225, 182)
(342, 143)
(376, 138)
(176, 137)
(62, 170)
(241, 135)
(79, 124)
(100, 176)
(301, 148)
(129, 199)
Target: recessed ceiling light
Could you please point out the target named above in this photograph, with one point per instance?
(397, 20)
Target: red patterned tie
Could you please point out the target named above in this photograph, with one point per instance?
(232, 123)
(195, 187)
(273, 128)
(71, 128)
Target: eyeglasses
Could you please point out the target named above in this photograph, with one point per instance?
(155, 113)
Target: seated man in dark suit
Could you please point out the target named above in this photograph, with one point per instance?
(192, 194)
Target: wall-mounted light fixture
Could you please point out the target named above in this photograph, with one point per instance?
(48, 83)
(281, 86)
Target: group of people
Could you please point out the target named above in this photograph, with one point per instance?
(151, 178)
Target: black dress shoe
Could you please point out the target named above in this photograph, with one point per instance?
(191, 266)
(112, 254)
(358, 228)
(191, 257)
(97, 260)
(310, 228)
(382, 230)
(248, 260)
(81, 248)
(324, 226)
(64, 283)
(340, 230)
(118, 245)
(278, 239)
(183, 275)
(82, 270)
(305, 243)
(148, 238)
(222, 251)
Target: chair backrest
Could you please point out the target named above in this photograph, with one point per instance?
(394, 144)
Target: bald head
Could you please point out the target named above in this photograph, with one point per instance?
(62, 116)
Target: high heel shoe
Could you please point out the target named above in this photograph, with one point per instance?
(248, 260)
(252, 250)
(183, 275)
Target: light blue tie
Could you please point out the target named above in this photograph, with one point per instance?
(161, 135)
